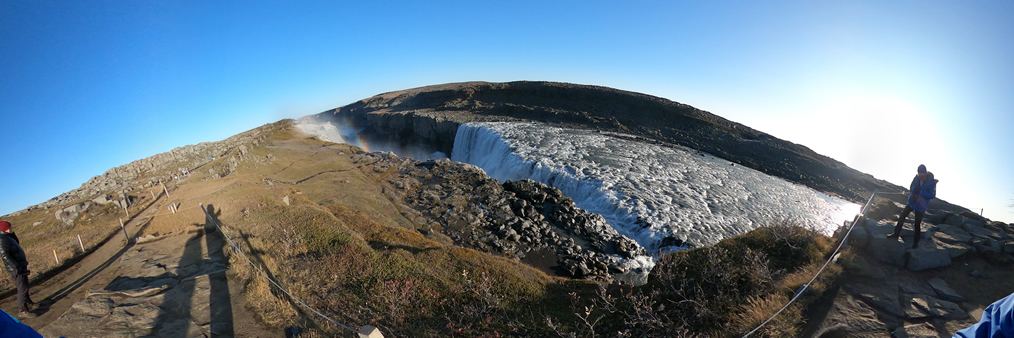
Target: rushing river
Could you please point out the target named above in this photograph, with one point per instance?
(647, 192)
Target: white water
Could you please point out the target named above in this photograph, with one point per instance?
(692, 196)
(325, 131)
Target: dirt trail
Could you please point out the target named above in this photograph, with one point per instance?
(174, 285)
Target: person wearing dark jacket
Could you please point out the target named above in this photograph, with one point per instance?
(17, 266)
(921, 191)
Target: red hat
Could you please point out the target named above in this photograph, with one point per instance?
(5, 225)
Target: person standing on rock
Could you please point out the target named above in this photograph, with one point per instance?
(17, 265)
(922, 190)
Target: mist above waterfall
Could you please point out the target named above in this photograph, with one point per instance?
(345, 131)
(657, 195)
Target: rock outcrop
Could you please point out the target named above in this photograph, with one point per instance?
(525, 220)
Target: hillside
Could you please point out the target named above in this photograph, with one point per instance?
(425, 248)
(431, 114)
(366, 239)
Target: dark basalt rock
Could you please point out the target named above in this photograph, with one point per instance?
(525, 220)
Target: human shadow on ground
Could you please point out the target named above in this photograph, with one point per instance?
(175, 318)
(47, 302)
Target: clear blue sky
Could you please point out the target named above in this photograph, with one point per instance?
(880, 85)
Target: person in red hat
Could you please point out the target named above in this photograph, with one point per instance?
(17, 265)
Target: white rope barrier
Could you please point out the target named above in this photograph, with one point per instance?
(236, 248)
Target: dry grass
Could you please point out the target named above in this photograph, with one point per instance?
(340, 245)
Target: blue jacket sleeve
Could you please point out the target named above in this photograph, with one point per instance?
(997, 321)
(929, 189)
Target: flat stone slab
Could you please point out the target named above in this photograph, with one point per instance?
(954, 249)
(926, 306)
(944, 291)
(887, 250)
(985, 232)
(928, 256)
(879, 228)
(852, 316)
(882, 298)
(952, 234)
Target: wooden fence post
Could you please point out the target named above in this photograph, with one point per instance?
(80, 243)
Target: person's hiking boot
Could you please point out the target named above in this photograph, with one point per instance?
(32, 306)
(891, 236)
(27, 314)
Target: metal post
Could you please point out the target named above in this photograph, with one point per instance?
(80, 243)
(124, 230)
(57, 258)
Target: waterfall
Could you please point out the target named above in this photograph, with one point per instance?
(656, 195)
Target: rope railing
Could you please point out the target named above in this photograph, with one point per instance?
(236, 248)
(802, 289)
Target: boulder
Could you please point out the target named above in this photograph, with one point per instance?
(926, 306)
(952, 234)
(973, 223)
(986, 246)
(955, 220)
(879, 228)
(887, 250)
(928, 256)
(944, 291)
(954, 249)
(926, 230)
(984, 232)
(859, 236)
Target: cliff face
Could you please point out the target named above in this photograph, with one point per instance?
(431, 115)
